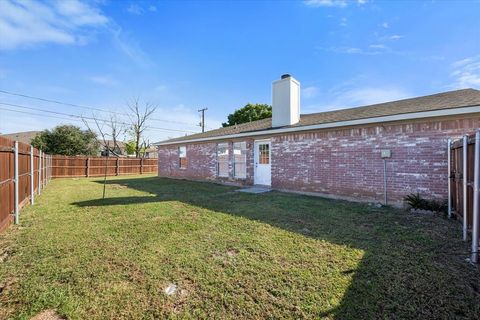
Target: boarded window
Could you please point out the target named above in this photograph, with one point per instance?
(240, 160)
(182, 155)
(222, 159)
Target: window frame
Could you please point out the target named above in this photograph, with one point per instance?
(225, 145)
(182, 159)
(243, 151)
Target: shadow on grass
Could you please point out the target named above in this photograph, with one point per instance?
(411, 267)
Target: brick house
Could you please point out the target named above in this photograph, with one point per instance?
(369, 153)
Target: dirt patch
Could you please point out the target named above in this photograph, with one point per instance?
(232, 252)
(48, 315)
(117, 186)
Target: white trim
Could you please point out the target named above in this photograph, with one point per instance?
(398, 117)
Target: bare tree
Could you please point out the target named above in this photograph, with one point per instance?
(138, 122)
(112, 128)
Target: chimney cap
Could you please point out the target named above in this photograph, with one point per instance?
(285, 76)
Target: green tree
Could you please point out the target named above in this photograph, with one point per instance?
(250, 112)
(67, 140)
(130, 147)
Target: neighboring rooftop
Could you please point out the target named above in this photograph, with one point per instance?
(24, 137)
(445, 100)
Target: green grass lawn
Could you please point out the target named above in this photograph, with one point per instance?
(230, 254)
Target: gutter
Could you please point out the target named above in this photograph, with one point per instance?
(398, 117)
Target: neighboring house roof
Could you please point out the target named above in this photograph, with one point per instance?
(440, 101)
(120, 144)
(24, 137)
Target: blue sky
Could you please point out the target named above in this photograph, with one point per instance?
(184, 55)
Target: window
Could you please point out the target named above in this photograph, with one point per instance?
(222, 159)
(240, 160)
(264, 153)
(182, 155)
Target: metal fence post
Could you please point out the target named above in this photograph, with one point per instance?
(16, 182)
(465, 183)
(449, 160)
(39, 172)
(476, 198)
(32, 177)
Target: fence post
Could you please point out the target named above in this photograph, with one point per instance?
(141, 165)
(117, 172)
(15, 179)
(44, 170)
(88, 167)
(465, 183)
(449, 160)
(476, 198)
(39, 172)
(32, 178)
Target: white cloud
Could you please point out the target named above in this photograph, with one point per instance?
(370, 95)
(104, 80)
(395, 37)
(135, 9)
(343, 22)
(466, 73)
(331, 3)
(355, 93)
(378, 46)
(326, 3)
(138, 10)
(310, 92)
(385, 25)
(27, 23)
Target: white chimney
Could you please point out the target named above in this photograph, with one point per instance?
(285, 101)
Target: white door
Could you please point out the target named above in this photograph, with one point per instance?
(263, 166)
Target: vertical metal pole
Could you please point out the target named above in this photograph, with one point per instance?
(476, 198)
(449, 160)
(16, 182)
(43, 170)
(385, 181)
(39, 172)
(32, 178)
(465, 182)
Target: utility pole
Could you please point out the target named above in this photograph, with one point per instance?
(202, 123)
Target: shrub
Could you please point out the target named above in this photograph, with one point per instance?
(415, 201)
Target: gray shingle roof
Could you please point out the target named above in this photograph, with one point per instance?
(439, 101)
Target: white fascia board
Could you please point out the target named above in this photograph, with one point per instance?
(398, 117)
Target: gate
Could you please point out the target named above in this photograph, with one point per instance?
(464, 182)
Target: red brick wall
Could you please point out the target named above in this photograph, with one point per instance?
(347, 162)
(344, 162)
(202, 162)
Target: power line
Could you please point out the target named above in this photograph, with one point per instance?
(84, 107)
(77, 117)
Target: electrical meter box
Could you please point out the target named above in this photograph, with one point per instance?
(386, 153)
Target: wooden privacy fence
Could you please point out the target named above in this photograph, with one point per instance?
(65, 167)
(463, 186)
(24, 171)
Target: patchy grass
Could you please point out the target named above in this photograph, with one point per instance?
(159, 248)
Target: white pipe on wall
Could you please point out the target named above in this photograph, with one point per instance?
(476, 199)
(449, 160)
